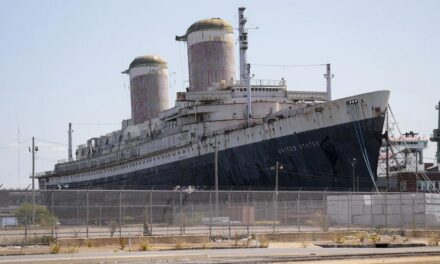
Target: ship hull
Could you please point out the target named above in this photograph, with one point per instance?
(315, 159)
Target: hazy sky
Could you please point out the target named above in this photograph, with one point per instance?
(61, 61)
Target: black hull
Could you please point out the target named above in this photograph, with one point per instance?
(316, 159)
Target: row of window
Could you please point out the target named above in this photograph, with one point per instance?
(258, 89)
(428, 185)
(153, 159)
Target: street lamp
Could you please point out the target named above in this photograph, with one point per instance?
(353, 164)
(34, 149)
(277, 167)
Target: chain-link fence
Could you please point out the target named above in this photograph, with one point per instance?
(104, 213)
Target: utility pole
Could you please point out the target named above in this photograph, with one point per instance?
(329, 76)
(276, 177)
(275, 198)
(353, 164)
(387, 172)
(19, 157)
(69, 154)
(436, 135)
(216, 178)
(33, 180)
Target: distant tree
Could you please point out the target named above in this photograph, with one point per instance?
(42, 216)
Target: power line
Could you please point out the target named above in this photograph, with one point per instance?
(288, 65)
(95, 124)
(10, 145)
(46, 159)
(16, 170)
(51, 142)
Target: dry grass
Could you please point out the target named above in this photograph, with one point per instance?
(55, 249)
(434, 239)
(206, 245)
(375, 238)
(71, 250)
(178, 244)
(361, 236)
(89, 244)
(338, 238)
(264, 241)
(122, 243)
(144, 245)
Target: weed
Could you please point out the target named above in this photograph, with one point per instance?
(361, 236)
(55, 249)
(380, 230)
(319, 219)
(178, 244)
(144, 245)
(71, 250)
(338, 238)
(122, 243)
(112, 227)
(40, 240)
(89, 244)
(236, 239)
(206, 245)
(434, 240)
(264, 241)
(375, 238)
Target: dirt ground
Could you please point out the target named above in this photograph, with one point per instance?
(405, 260)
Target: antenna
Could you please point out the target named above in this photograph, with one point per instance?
(245, 68)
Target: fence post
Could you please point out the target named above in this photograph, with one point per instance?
(87, 213)
(401, 212)
(424, 210)
(181, 213)
(298, 210)
(120, 213)
(386, 211)
(413, 214)
(274, 211)
(210, 214)
(77, 208)
(248, 212)
(100, 215)
(229, 215)
(348, 211)
(324, 207)
(151, 212)
(371, 213)
(51, 209)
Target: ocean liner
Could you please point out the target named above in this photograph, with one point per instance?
(228, 132)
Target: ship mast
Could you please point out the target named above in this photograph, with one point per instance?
(245, 68)
(329, 76)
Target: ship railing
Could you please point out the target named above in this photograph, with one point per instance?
(260, 82)
(42, 174)
(288, 112)
(307, 95)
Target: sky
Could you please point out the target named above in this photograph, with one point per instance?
(61, 61)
